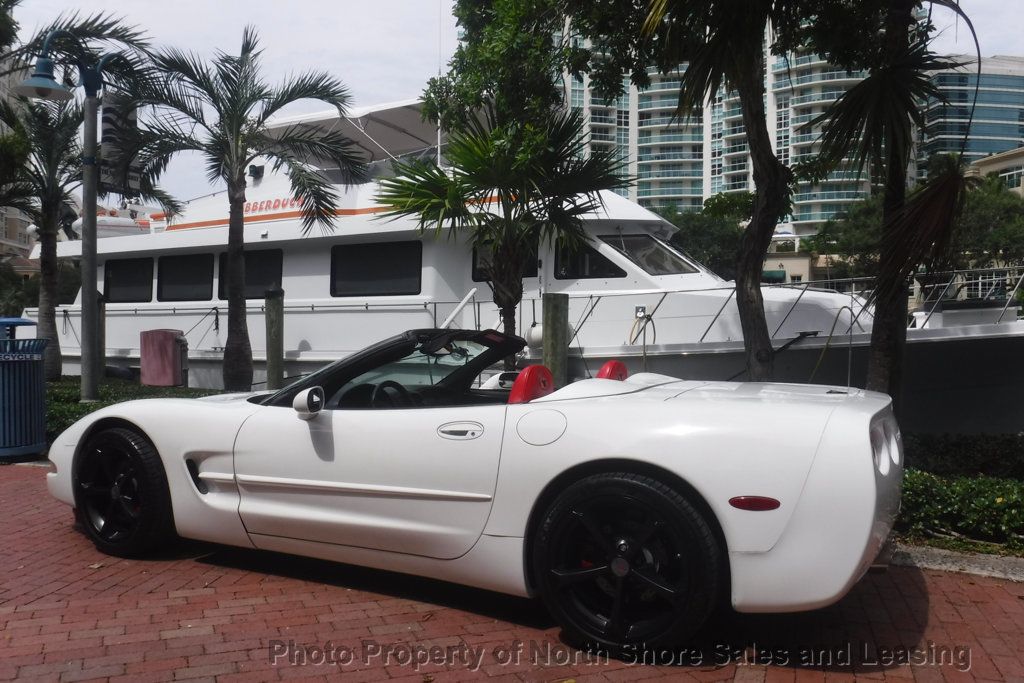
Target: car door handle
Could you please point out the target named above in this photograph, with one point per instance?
(461, 430)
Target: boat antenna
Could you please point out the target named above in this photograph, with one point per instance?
(440, 25)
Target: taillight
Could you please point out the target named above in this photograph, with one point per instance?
(881, 447)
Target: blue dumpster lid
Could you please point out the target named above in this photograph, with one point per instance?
(15, 322)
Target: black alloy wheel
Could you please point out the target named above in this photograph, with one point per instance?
(121, 493)
(625, 563)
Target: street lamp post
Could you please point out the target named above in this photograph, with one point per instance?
(41, 84)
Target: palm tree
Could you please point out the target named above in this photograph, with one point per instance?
(722, 43)
(873, 125)
(508, 188)
(221, 110)
(41, 188)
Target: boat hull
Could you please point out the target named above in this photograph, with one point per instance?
(956, 380)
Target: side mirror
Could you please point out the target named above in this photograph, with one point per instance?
(309, 402)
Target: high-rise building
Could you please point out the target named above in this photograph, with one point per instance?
(681, 162)
(997, 124)
(14, 237)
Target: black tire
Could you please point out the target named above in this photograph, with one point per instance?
(625, 563)
(121, 493)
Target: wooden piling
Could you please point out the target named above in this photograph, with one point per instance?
(274, 316)
(555, 336)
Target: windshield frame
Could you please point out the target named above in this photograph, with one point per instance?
(621, 250)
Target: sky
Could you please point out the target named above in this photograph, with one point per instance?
(384, 50)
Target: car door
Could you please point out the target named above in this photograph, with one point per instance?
(416, 480)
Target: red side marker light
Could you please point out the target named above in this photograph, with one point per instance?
(754, 503)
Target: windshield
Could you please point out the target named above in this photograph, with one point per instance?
(424, 366)
(650, 254)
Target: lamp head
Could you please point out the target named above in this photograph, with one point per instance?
(42, 85)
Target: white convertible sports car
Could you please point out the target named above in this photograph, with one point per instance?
(630, 505)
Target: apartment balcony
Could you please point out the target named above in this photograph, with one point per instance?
(735, 185)
(735, 168)
(663, 85)
(670, 137)
(669, 192)
(782, 64)
(828, 196)
(655, 157)
(656, 173)
(659, 103)
(596, 136)
(602, 120)
(732, 113)
(813, 98)
(808, 139)
(813, 216)
(822, 77)
(734, 132)
(670, 120)
(733, 150)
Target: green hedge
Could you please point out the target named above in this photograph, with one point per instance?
(980, 508)
(63, 408)
(951, 455)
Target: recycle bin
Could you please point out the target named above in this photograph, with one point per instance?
(22, 392)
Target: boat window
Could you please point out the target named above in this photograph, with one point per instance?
(479, 260)
(128, 280)
(262, 272)
(185, 278)
(584, 263)
(378, 269)
(650, 254)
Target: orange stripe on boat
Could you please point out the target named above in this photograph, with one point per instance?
(282, 215)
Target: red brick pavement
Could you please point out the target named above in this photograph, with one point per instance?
(70, 613)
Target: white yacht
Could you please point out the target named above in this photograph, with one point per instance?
(633, 296)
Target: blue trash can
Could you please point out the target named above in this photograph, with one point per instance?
(22, 392)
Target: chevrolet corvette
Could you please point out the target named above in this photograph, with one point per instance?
(630, 505)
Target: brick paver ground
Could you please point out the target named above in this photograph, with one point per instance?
(70, 613)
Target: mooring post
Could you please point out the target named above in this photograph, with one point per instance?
(101, 336)
(274, 316)
(555, 336)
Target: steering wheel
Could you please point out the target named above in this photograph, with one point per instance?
(390, 393)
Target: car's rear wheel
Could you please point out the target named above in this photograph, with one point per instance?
(121, 493)
(624, 562)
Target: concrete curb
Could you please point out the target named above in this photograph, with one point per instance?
(924, 557)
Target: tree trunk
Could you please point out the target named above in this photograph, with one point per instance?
(237, 350)
(889, 329)
(48, 273)
(771, 180)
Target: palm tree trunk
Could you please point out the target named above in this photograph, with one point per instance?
(47, 327)
(771, 180)
(889, 329)
(237, 350)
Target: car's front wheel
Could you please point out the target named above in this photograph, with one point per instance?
(624, 562)
(121, 493)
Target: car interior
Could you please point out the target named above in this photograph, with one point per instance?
(433, 368)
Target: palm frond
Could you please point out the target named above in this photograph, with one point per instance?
(314, 85)
(315, 193)
(332, 149)
(87, 36)
(920, 232)
(876, 117)
(427, 193)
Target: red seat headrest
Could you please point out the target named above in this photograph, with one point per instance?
(613, 369)
(533, 382)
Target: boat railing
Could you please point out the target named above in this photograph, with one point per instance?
(860, 290)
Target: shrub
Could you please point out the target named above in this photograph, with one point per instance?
(975, 508)
(992, 455)
(63, 408)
